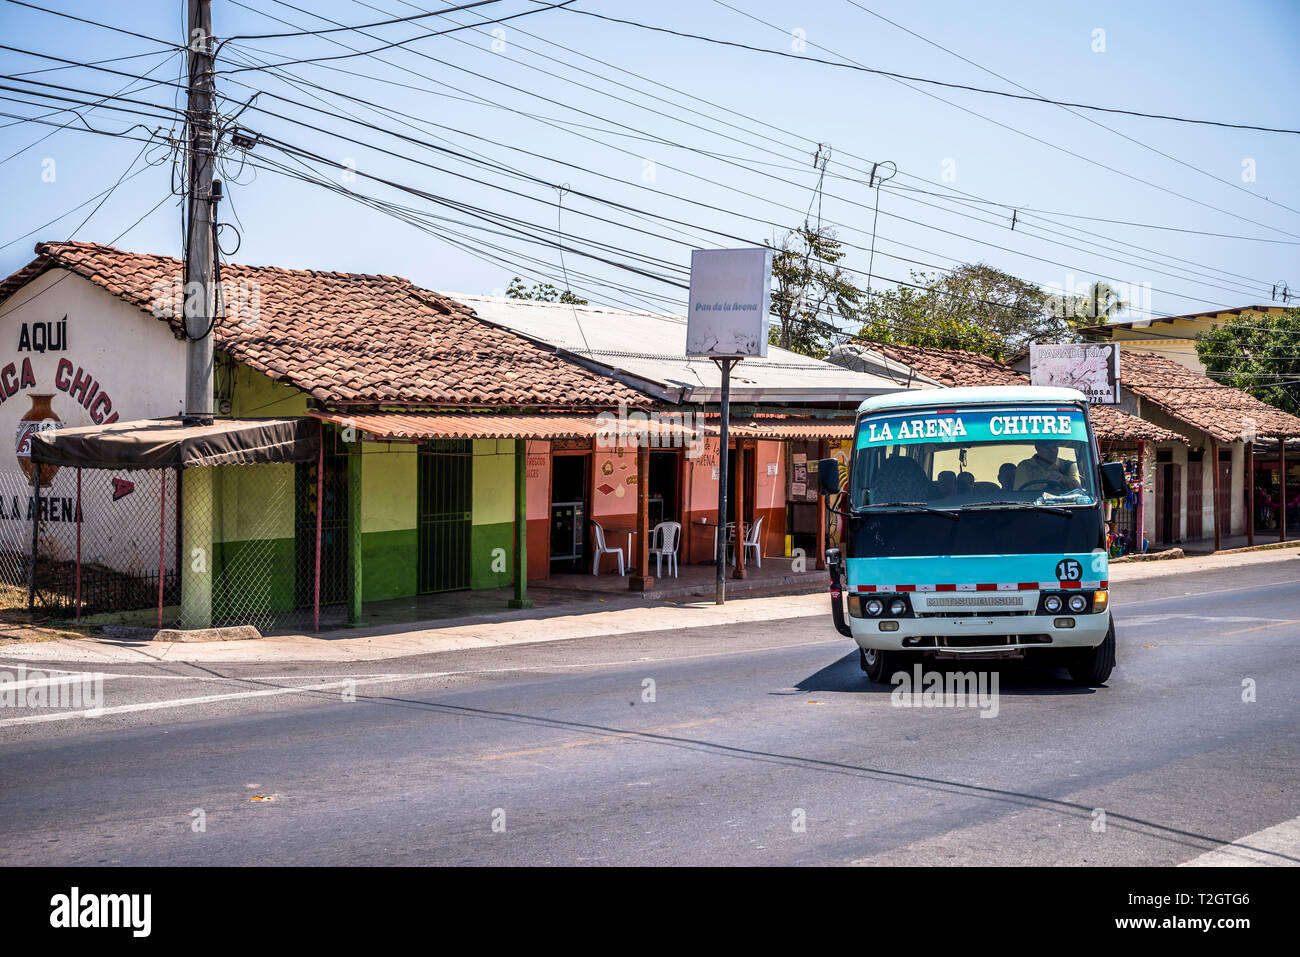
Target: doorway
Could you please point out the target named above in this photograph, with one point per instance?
(568, 535)
(665, 487)
(445, 479)
(334, 526)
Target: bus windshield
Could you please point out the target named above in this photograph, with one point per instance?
(1009, 456)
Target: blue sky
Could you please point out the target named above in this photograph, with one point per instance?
(741, 167)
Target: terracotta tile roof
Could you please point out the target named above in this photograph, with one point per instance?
(955, 367)
(1225, 413)
(348, 337)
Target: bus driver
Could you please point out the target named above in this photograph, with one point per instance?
(1043, 466)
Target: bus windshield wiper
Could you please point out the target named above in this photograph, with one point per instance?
(1055, 509)
(919, 506)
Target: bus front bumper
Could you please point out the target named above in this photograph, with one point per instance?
(980, 636)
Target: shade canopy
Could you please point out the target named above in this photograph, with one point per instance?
(172, 444)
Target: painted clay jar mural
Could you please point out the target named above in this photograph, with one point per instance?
(39, 418)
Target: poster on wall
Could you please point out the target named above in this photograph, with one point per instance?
(727, 313)
(1093, 369)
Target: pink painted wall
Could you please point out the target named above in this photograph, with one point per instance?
(539, 480)
(612, 495)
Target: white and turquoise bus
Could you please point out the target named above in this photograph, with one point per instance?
(974, 527)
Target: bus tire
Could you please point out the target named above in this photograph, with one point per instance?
(881, 665)
(1092, 666)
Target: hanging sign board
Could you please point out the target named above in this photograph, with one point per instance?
(1093, 369)
(730, 296)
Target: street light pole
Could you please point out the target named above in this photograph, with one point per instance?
(724, 410)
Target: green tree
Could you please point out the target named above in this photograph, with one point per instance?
(1257, 353)
(542, 292)
(975, 307)
(811, 291)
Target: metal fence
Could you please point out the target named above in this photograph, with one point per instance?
(233, 545)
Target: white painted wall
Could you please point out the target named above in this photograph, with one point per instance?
(133, 367)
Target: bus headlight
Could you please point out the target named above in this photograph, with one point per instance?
(1078, 604)
(874, 607)
(1052, 604)
(898, 607)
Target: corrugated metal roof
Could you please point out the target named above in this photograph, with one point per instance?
(649, 348)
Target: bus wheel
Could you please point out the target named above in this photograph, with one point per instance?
(880, 665)
(1092, 666)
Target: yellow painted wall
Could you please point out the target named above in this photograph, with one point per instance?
(494, 481)
(388, 483)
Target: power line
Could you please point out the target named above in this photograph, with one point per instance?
(402, 43)
(359, 26)
(1094, 122)
(921, 79)
(95, 23)
(567, 106)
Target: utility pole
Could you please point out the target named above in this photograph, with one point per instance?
(199, 239)
(200, 303)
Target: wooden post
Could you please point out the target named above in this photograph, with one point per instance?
(77, 518)
(162, 541)
(740, 509)
(1282, 477)
(642, 580)
(823, 447)
(521, 599)
(1214, 461)
(320, 504)
(354, 531)
(1141, 517)
(1249, 469)
(36, 529)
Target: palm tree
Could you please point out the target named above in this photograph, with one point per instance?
(1103, 301)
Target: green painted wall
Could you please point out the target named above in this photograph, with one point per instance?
(493, 514)
(487, 570)
(389, 541)
(390, 562)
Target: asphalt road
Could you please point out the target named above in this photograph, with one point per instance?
(762, 745)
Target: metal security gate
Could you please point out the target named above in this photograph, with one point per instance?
(334, 580)
(446, 470)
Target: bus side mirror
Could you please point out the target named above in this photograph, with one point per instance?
(1113, 482)
(828, 476)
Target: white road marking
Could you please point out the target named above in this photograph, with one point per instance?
(206, 699)
(1249, 851)
(54, 681)
(1138, 620)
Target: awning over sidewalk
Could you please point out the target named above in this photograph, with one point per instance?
(170, 443)
(418, 426)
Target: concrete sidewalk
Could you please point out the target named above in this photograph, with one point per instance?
(523, 627)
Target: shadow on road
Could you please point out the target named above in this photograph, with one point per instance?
(1014, 677)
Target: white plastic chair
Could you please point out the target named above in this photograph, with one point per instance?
(753, 537)
(663, 543)
(603, 549)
